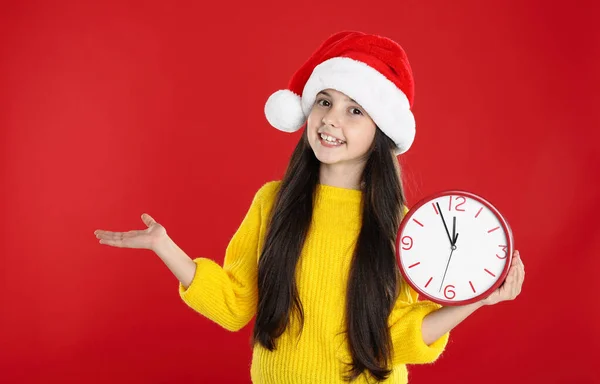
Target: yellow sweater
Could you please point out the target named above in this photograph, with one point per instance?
(228, 295)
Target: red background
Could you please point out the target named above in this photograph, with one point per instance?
(109, 110)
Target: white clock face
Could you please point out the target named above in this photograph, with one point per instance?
(460, 262)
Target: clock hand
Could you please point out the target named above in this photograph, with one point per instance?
(452, 240)
(453, 230)
(444, 221)
(454, 233)
(449, 258)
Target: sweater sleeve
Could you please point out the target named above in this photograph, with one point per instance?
(405, 323)
(228, 295)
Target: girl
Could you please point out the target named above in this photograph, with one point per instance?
(314, 258)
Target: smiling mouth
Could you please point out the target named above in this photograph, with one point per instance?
(330, 139)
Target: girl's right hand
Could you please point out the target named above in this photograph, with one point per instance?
(142, 239)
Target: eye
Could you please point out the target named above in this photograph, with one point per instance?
(323, 102)
(355, 111)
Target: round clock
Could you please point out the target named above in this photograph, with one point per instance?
(454, 248)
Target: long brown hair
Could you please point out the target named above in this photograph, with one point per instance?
(374, 279)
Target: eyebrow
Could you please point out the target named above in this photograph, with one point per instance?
(328, 95)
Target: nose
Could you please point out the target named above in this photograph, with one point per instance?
(331, 118)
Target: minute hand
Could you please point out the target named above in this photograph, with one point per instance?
(453, 246)
(444, 221)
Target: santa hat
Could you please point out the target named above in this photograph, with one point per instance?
(372, 70)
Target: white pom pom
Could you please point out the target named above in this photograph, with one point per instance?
(284, 111)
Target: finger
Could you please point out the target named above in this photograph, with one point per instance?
(520, 260)
(147, 219)
(516, 259)
(518, 264)
(521, 278)
(103, 234)
(516, 284)
(521, 266)
(509, 284)
(113, 242)
(518, 280)
(109, 235)
(510, 278)
(118, 235)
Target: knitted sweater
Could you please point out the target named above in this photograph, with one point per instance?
(228, 295)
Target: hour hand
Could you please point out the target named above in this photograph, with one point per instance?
(454, 234)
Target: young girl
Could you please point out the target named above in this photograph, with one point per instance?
(314, 258)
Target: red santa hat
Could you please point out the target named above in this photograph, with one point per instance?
(371, 69)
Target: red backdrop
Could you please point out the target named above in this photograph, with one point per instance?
(109, 110)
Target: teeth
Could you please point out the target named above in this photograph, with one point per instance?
(331, 139)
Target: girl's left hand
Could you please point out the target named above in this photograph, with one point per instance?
(511, 287)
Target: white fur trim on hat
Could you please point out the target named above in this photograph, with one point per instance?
(283, 110)
(382, 99)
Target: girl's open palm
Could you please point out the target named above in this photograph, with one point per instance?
(141, 239)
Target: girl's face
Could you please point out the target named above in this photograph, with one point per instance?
(336, 115)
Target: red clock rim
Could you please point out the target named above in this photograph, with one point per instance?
(503, 223)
